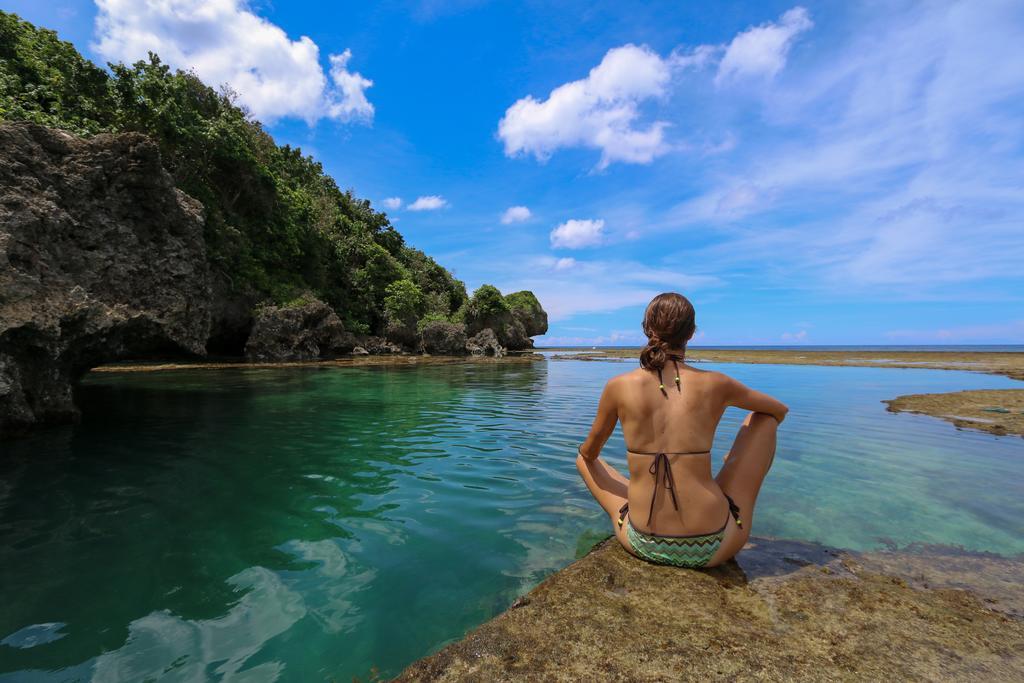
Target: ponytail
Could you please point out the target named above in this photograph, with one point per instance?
(654, 355)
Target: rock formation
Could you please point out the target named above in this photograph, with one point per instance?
(307, 330)
(101, 258)
(485, 343)
(443, 338)
(788, 611)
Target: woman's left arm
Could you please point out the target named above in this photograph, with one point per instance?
(604, 423)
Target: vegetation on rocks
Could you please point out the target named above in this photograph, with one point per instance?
(276, 226)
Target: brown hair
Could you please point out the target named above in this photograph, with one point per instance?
(669, 322)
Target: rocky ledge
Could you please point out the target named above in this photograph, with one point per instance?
(786, 611)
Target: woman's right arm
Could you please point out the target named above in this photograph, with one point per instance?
(740, 395)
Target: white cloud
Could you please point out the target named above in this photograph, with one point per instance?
(226, 44)
(577, 234)
(600, 111)
(761, 51)
(564, 263)
(799, 336)
(516, 214)
(393, 202)
(428, 203)
(353, 103)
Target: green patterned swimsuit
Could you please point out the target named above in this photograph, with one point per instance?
(694, 550)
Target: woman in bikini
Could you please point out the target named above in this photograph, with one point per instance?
(672, 510)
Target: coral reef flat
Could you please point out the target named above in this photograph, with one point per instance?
(999, 411)
(785, 611)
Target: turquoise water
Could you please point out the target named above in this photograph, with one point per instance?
(310, 524)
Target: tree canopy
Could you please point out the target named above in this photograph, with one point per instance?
(276, 225)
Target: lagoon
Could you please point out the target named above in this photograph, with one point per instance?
(320, 523)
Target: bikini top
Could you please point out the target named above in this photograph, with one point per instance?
(661, 468)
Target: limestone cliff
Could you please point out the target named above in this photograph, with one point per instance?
(101, 258)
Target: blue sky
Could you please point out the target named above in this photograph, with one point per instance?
(818, 173)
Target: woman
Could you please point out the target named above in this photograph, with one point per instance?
(671, 510)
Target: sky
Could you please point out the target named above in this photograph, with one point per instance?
(812, 173)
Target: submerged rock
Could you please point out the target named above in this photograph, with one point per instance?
(443, 338)
(101, 259)
(307, 330)
(485, 343)
(786, 611)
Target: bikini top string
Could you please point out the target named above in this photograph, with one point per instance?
(661, 382)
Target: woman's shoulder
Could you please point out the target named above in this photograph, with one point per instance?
(626, 378)
(711, 378)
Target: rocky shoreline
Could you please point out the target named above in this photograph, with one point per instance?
(104, 259)
(785, 611)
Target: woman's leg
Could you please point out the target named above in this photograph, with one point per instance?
(609, 487)
(611, 490)
(744, 471)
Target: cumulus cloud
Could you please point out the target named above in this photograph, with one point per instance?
(226, 44)
(428, 203)
(393, 202)
(516, 214)
(577, 234)
(761, 51)
(564, 263)
(600, 111)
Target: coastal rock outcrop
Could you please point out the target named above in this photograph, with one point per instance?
(443, 338)
(306, 330)
(485, 343)
(378, 345)
(513, 319)
(787, 611)
(101, 258)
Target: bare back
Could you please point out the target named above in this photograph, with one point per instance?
(681, 419)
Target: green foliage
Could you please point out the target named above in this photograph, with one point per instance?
(487, 302)
(431, 318)
(276, 225)
(45, 80)
(524, 301)
(403, 301)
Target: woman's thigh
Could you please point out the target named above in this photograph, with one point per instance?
(745, 466)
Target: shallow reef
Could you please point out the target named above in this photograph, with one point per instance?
(785, 611)
(997, 411)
